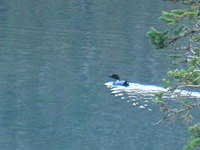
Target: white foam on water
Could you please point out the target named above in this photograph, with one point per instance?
(142, 107)
(148, 90)
(140, 96)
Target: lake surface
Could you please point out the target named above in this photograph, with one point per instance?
(54, 59)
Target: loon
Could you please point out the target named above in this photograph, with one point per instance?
(118, 81)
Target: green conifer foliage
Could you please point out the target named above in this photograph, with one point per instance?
(181, 36)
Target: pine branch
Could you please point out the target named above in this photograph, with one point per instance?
(192, 31)
(173, 112)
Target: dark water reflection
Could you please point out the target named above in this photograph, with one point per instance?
(54, 59)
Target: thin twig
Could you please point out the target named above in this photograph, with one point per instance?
(172, 112)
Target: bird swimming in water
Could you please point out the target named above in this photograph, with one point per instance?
(118, 81)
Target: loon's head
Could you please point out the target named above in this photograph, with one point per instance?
(115, 76)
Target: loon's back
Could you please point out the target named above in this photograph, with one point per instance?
(120, 83)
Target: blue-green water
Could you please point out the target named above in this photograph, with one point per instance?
(54, 59)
